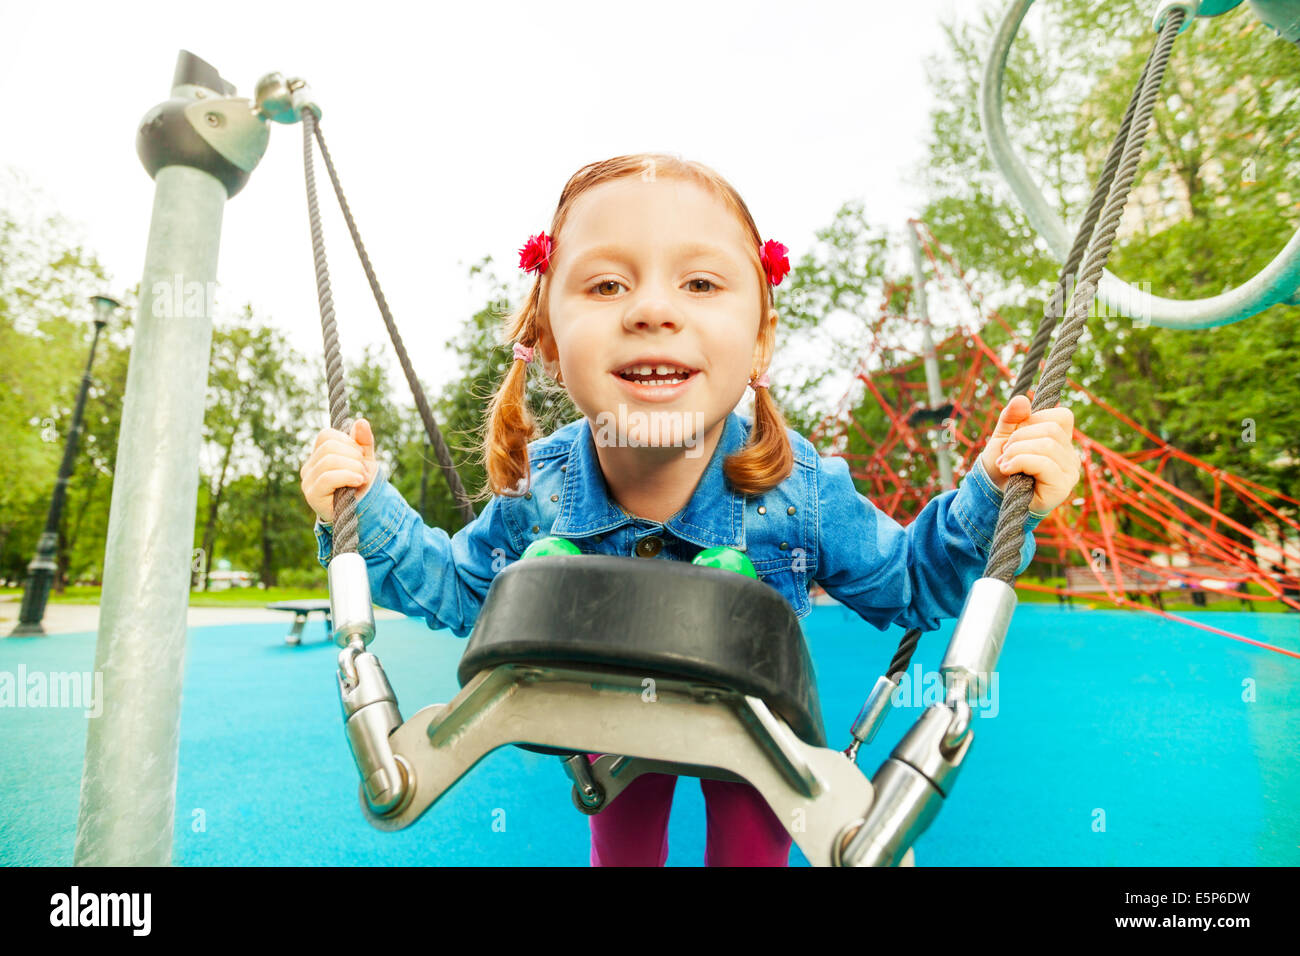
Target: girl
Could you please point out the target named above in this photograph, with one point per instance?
(652, 306)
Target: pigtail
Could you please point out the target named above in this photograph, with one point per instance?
(767, 458)
(510, 423)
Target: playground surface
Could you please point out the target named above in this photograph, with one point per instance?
(1111, 739)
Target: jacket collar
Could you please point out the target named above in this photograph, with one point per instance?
(714, 516)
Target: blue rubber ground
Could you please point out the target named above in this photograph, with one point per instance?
(1120, 740)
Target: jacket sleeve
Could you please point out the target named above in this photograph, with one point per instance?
(914, 576)
(423, 571)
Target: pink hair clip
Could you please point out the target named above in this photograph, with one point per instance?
(524, 352)
(760, 382)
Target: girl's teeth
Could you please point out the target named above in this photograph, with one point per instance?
(654, 370)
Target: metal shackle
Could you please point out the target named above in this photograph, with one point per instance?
(910, 788)
(370, 714)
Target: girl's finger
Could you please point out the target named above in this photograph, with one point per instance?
(1026, 446)
(341, 446)
(337, 460)
(326, 434)
(330, 481)
(1058, 414)
(1052, 430)
(1041, 467)
(1067, 459)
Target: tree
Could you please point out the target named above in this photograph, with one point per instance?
(278, 418)
(45, 337)
(1210, 207)
(232, 388)
(826, 305)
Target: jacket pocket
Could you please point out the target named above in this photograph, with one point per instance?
(789, 579)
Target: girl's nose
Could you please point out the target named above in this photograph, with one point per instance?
(652, 313)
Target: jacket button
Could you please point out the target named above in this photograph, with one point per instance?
(784, 546)
(564, 468)
(649, 546)
(555, 497)
(536, 529)
(528, 494)
(762, 509)
(790, 510)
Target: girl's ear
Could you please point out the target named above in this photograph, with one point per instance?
(547, 351)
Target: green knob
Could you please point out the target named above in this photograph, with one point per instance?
(545, 547)
(728, 559)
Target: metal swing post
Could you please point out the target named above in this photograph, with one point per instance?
(200, 146)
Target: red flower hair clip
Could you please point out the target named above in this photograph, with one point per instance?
(535, 256)
(775, 263)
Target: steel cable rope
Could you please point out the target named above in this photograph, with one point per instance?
(1004, 558)
(344, 538)
(1141, 100)
(440, 450)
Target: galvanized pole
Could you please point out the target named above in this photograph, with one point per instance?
(933, 384)
(200, 147)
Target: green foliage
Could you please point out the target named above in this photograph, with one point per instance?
(1215, 200)
(824, 305)
(1217, 197)
(46, 283)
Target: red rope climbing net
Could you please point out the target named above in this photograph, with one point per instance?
(1132, 531)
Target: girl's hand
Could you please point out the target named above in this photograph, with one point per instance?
(1038, 444)
(338, 461)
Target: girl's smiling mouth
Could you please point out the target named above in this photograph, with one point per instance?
(654, 379)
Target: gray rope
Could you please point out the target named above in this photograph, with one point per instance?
(903, 656)
(1056, 304)
(1004, 557)
(440, 449)
(344, 538)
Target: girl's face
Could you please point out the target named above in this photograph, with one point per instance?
(654, 309)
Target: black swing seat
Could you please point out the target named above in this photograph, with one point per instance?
(655, 619)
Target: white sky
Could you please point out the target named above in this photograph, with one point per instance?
(455, 127)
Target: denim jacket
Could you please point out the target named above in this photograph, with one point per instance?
(814, 526)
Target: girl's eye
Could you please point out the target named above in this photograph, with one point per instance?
(603, 289)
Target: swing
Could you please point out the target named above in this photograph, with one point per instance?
(200, 146)
(664, 667)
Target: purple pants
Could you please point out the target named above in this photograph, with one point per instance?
(633, 829)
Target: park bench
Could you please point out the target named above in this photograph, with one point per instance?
(301, 611)
(1200, 581)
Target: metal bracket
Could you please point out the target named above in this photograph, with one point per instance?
(688, 729)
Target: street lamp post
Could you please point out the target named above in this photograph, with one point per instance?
(43, 567)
